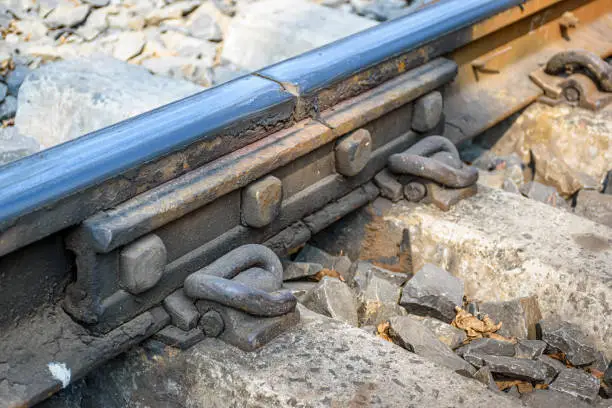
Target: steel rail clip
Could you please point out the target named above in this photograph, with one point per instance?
(240, 298)
(576, 78)
(432, 170)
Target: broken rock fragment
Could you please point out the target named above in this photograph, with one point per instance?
(378, 284)
(375, 312)
(364, 271)
(484, 376)
(529, 348)
(555, 129)
(299, 288)
(577, 383)
(447, 334)
(433, 292)
(379, 291)
(332, 298)
(567, 338)
(545, 194)
(14, 145)
(416, 337)
(299, 270)
(489, 347)
(519, 368)
(554, 364)
(518, 316)
(311, 254)
(600, 364)
(550, 398)
(510, 186)
(594, 206)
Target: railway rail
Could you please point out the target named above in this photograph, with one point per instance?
(97, 232)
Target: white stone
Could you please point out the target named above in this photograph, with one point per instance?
(380, 10)
(202, 25)
(129, 45)
(96, 23)
(32, 29)
(97, 3)
(190, 69)
(189, 47)
(174, 10)
(270, 31)
(67, 16)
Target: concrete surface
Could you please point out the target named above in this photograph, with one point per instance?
(321, 363)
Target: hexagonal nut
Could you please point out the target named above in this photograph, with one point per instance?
(142, 264)
(427, 112)
(353, 152)
(261, 202)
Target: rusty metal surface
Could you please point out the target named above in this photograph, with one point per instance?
(575, 90)
(158, 146)
(96, 299)
(170, 201)
(493, 79)
(577, 78)
(176, 195)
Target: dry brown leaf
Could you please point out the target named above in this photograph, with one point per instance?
(561, 357)
(596, 373)
(328, 272)
(525, 387)
(473, 326)
(505, 384)
(6, 66)
(382, 331)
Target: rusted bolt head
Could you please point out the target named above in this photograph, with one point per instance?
(414, 191)
(353, 152)
(142, 264)
(212, 324)
(571, 94)
(261, 201)
(427, 112)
